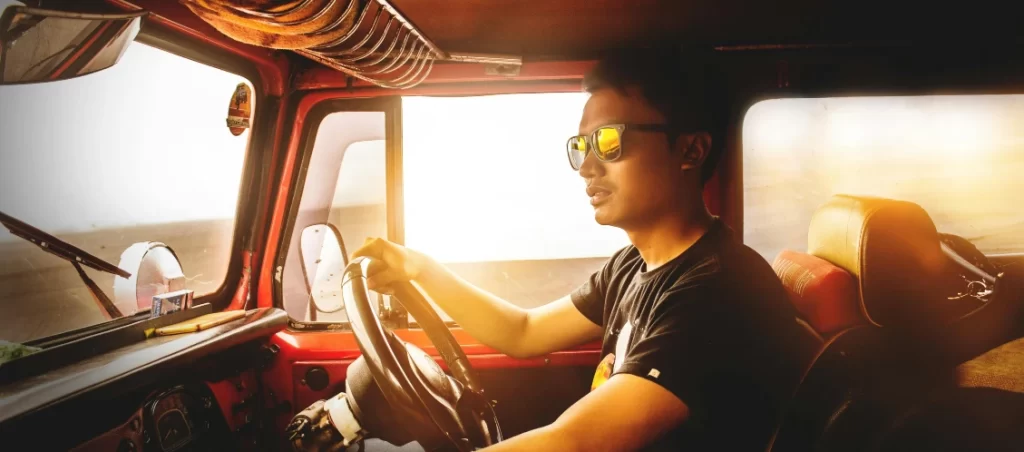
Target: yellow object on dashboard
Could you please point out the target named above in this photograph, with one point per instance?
(200, 323)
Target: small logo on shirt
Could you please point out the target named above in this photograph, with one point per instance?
(609, 365)
(604, 371)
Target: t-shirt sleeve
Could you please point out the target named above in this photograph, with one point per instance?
(682, 347)
(590, 297)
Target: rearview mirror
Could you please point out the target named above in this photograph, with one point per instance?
(323, 257)
(38, 45)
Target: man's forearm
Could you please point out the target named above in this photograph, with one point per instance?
(491, 320)
(544, 438)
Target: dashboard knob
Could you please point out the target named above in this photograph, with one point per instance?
(317, 378)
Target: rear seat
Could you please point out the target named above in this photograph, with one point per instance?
(866, 285)
(883, 379)
(827, 299)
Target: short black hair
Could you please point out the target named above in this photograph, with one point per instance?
(685, 85)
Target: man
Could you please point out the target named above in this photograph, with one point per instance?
(700, 345)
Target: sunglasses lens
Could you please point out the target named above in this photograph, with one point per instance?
(577, 148)
(608, 143)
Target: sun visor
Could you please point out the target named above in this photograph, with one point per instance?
(892, 249)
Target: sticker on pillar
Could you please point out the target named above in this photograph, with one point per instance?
(240, 110)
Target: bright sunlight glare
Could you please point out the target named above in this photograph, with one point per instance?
(959, 157)
(487, 179)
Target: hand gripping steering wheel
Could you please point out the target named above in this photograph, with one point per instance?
(438, 411)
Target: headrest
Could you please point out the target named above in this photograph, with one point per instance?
(892, 249)
(825, 295)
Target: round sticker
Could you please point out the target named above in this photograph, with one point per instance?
(240, 109)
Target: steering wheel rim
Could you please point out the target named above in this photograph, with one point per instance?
(392, 369)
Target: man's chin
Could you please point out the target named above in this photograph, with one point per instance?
(603, 216)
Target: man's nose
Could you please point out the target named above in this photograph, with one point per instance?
(591, 167)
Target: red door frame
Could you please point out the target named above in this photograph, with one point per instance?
(335, 350)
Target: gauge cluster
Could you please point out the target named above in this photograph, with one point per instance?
(176, 418)
(180, 419)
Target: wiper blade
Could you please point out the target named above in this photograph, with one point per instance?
(71, 253)
(58, 247)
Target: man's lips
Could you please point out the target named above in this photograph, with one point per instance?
(598, 194)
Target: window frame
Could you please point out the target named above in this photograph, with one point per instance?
(254, 169)
(246, 206)
(391, 106)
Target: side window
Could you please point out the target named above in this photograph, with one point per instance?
(345, 186)
(487, 190)
(959, 157)
(489, 193)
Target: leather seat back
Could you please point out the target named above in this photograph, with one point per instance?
(868, 280)
(893, 251)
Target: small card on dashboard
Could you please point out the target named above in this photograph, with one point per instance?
(169, 302)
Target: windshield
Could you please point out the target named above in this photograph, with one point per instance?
(136, 153)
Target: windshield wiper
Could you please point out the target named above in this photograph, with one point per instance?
(71, 253)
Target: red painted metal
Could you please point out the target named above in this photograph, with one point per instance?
(334, 346)
(242, 292)
(336, 370)
(281, 144)
(231, 392)
(325, 78)
(334, 351)
(304, 395)
(272, 65)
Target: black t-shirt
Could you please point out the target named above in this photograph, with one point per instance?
(713, 326)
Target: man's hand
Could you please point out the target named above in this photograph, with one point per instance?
(626, 413)
(390, 263)
(497, 323)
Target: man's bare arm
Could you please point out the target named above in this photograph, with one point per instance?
(625, 413)
(508, 328)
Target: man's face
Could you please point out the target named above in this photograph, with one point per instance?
(643, 183)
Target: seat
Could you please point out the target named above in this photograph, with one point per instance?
(893, 251)
(826, 297)
(867, 285)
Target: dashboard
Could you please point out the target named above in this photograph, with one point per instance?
(180, 418)
(189, 392)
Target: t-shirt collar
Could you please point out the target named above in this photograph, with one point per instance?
(708, 239)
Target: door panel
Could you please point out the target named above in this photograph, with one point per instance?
(530, 393)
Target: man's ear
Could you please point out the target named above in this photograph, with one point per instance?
(695, 148)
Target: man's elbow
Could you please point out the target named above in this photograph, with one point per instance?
(521, 350)
(523, 345)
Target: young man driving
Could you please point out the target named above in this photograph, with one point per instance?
(700, 345)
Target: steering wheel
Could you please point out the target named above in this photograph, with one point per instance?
(437, 410)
